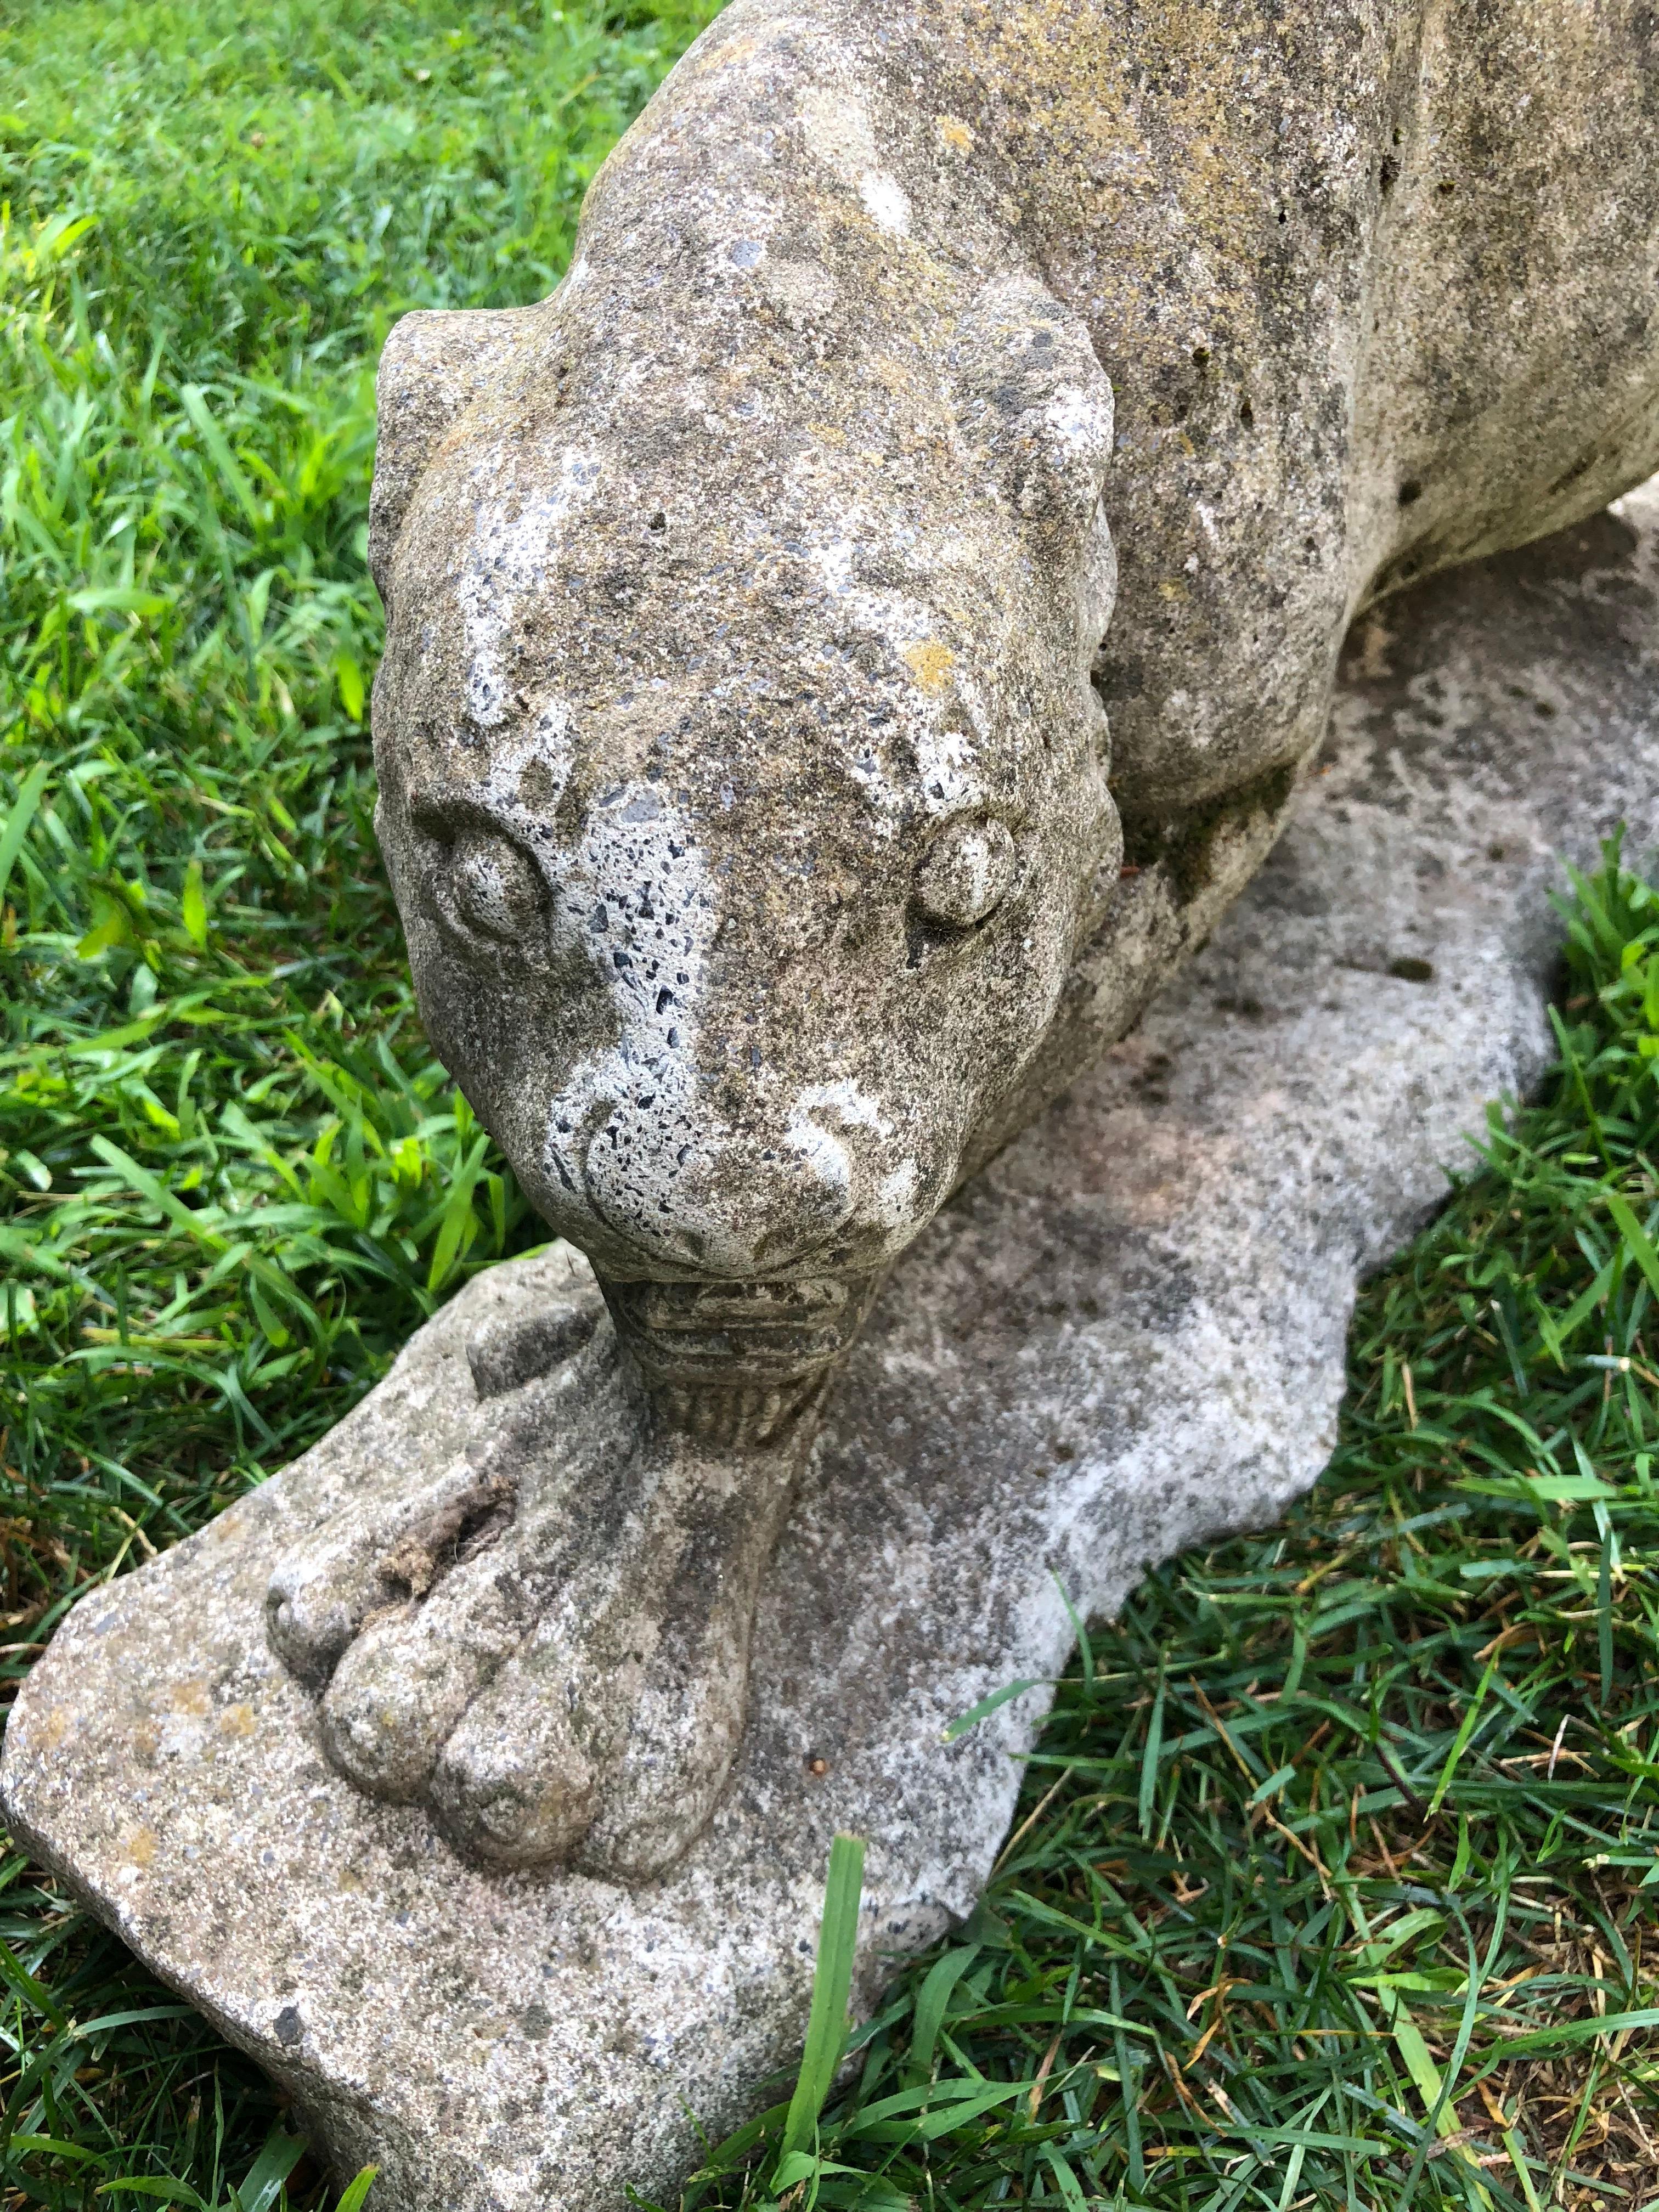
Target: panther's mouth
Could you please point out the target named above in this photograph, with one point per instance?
(773, 1328)
(739, 1360)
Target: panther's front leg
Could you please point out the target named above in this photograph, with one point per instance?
(547, 1642)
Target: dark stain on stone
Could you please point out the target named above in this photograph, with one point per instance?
(1185, 844)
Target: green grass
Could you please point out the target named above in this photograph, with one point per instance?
(1332, 1885)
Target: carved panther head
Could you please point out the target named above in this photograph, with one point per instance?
(742, 784)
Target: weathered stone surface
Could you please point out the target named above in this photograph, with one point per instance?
(1127, 1335)
(929, 380)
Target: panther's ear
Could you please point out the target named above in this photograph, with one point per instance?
(1035, 401)
(1035, 408)
(432, 369)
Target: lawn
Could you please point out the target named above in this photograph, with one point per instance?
(1335, 1876)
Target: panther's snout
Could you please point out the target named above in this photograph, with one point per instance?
(722, 1204)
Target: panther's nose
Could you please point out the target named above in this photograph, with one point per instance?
(726, 1203)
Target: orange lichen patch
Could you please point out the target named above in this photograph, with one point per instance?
(143, 1846)
(956, 134)
(932, 665)
(237, 1720)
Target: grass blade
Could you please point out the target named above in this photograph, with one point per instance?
(18, 821)
(932, 2000)
(1149, 1760)
(225, 463)
(832, 1984)
(985, 1706)
(263, 2179)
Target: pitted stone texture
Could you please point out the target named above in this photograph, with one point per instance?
(1126, 1337)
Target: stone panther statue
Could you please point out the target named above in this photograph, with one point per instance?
(931, 382)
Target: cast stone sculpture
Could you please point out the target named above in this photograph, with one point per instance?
(746, 781)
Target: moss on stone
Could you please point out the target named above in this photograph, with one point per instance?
(1185, 843)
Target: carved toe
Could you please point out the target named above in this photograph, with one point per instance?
(513, 1786)
(397, 1696)
(507, 1351)
(326, 1590)
(684, 1720)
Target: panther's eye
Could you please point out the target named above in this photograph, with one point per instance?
(967, 872)
(494, 884)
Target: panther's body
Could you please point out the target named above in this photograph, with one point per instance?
(746, 778)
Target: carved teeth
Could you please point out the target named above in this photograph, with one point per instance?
(738, 1361)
